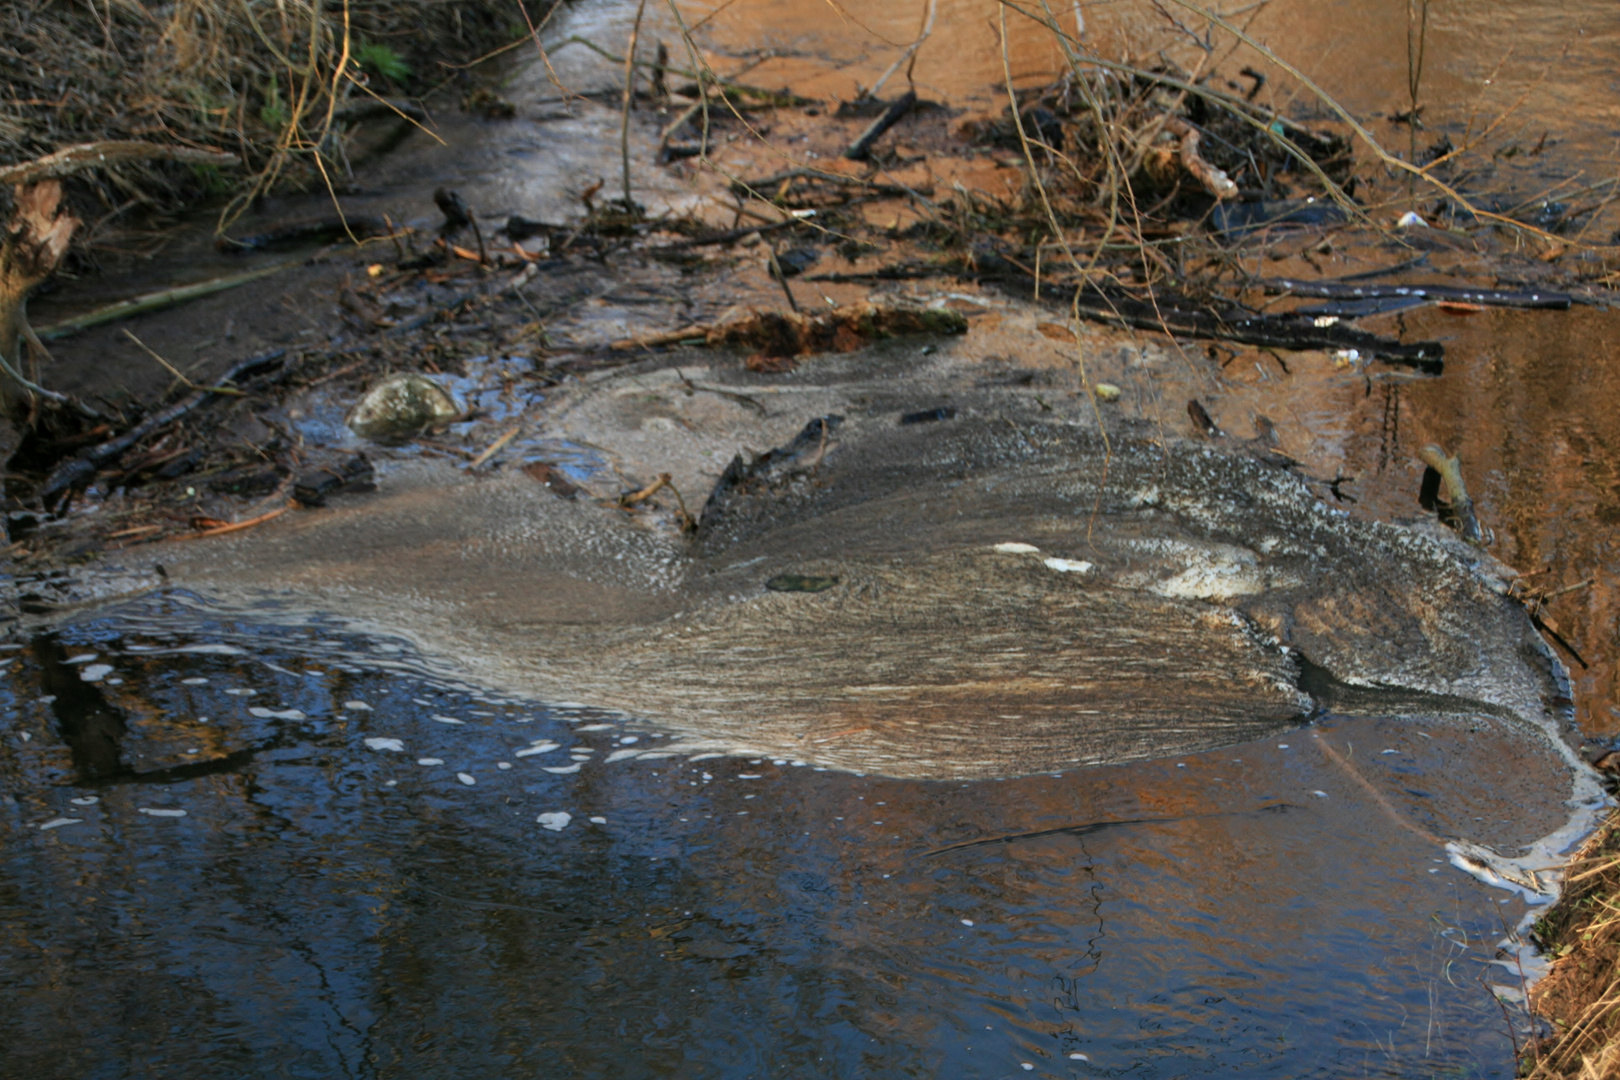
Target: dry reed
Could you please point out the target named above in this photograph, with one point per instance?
(267, 80)
(1581, 995)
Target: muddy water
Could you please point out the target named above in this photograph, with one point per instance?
(339, 900)
(260, 853)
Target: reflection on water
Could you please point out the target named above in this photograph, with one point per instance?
(240, 852)
(1528, 404)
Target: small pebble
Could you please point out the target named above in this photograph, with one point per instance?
(85, 800)
(544, 746)
(80, 658)
(1077, 1056)
(967, 922)
(1105, 391)
(241, 691)
(96, 672)
(503, 765)
(356, 706)
(1320, 794)
(1282, 746)
(1013, 548)
(161, 812)
(1026, 1065)
(197, 681)
(429, 761)
(562, 770)
(466, 778)
(450, 720)
(385, 744)
(58, 822)
(598, 821)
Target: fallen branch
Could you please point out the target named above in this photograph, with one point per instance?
(72, 159)
(81, 467)
(1168, 315)
(148, 302)
(861, 148)
(1336, 290)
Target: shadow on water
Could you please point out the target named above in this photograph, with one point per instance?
(232, 851)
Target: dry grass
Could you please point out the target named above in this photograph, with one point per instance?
(265, 79)
(1582, 993)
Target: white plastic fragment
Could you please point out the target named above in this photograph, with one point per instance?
(1068, 566)
(967, 922)
(1320, 794)
(466, 778)
(385, 744)
(1411, 219)
(58, 822)
(1012, 548)
(598, 821)
(159, 811)
(96, 672)
(555, 820)
(1078, 1056)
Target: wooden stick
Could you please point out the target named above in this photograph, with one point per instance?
(672, 337)
(492, 448)
(156, 301)
(861, 147)
(177, 373)
(71, 159)
(237, 526)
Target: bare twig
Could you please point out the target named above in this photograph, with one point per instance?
(72, 159)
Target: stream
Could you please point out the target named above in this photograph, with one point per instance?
(287, 842)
